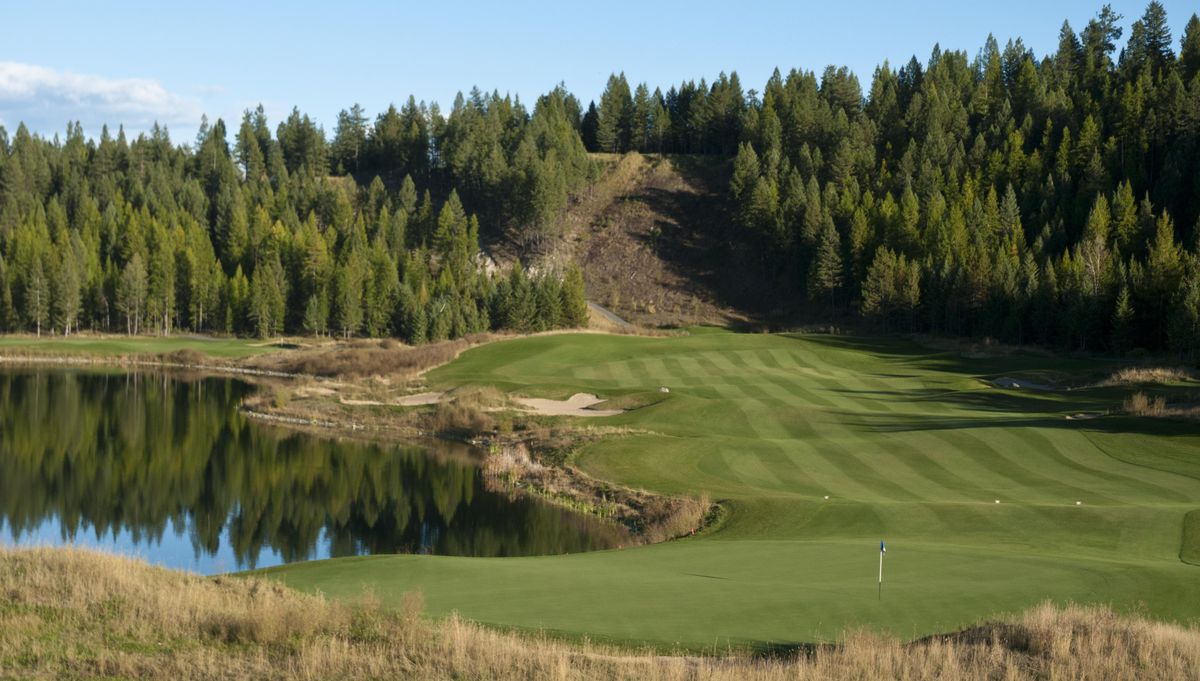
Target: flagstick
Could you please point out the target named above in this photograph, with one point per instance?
(881, 575)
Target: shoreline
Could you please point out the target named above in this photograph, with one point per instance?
(544, 472)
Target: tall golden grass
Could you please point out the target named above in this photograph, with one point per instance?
(1141, 404)
(364, 357)
(1147, 375)
(76, 614)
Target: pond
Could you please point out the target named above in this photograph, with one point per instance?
(166, 468)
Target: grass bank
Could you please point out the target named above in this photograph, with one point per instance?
(76, 614)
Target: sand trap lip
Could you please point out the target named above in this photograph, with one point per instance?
(1082, 417)
(577, 405)
(420, 399)
(417, 400)
(1019, 384)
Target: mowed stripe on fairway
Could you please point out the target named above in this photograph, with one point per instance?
(908, 445)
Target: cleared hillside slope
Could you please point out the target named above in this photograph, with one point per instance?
(657, 246)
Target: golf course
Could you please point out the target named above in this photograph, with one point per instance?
(991, 499)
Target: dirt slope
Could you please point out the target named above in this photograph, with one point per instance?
(652, 237)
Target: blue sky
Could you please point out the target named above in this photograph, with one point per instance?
(135, 62)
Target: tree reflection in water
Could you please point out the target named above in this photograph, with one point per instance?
(152, 461)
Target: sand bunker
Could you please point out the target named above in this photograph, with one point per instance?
(420, 399)
(1019, 384)
(577, 405)
(416, 400)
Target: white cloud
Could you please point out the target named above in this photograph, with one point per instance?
(46, 99)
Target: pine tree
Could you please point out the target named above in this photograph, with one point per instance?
(1189, 51)
(316, 314)
(640, 119)
(1157, 46)
(350, 139)
(37, 296)
(1184, 331)
(745, 171)
(131, 293)
(615, 117)
(1093, 250)
(574, 300)
(825, 276)
(347, 292)
(1122, 322)
(589, 128)
(67, 298)
(268, 298)
(878, 289)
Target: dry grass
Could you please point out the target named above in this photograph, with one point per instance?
(650, 518)
(1147, 376)
(1141, 404)
(467, 412)
(77, 614)
(1156, 406)
(362, 358)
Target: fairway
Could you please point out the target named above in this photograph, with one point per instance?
(131, 345)
(910, 445)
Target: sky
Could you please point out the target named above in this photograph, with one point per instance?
(139, 62)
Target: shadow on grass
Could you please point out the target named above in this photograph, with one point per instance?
(1024, 404)
(780, 652)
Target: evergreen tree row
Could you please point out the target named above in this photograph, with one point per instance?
(256, 238)
(1051, 198)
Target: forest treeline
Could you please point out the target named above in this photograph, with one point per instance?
(1033, 198)
(255, 236)
(1051, 199)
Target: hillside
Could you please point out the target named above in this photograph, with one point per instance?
(654, 239)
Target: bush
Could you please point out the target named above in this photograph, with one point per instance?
(1141, 404)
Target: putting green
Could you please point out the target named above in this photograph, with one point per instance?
(911, 446)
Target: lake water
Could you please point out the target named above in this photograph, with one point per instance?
(167, 469)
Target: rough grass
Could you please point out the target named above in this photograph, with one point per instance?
(76, 614)
(1189, 550)
(362, 358)
(650, 518)
(467, 412)
(1157, 406)
(1147, 376)
(1141, 404)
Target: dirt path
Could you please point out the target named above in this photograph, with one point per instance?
(608, 315)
